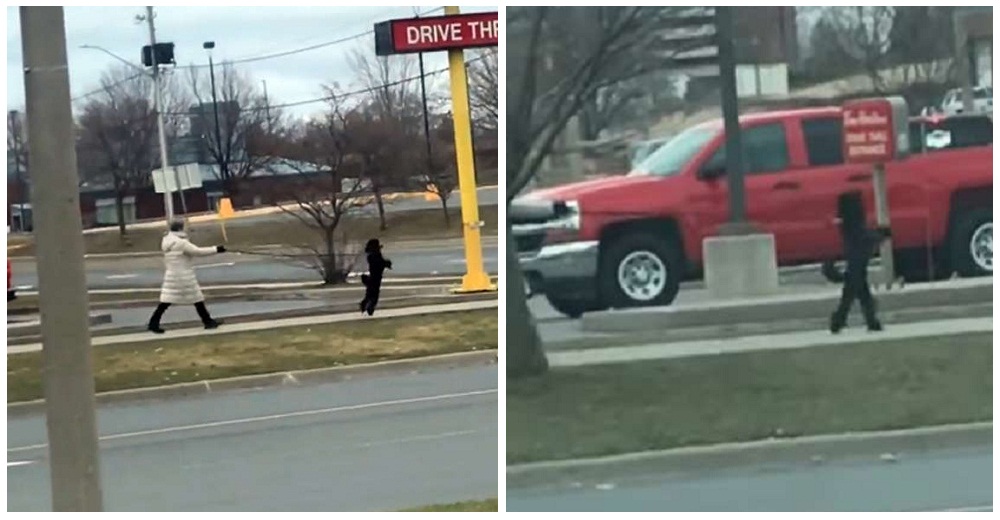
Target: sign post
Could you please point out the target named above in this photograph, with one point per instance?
(453, 33)
(225, 211)
(875, 132)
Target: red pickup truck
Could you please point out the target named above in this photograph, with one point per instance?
(630, 240)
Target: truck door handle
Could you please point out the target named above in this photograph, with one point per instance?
(861, 177)
(787, 185)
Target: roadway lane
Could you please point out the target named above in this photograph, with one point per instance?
(384, 443)
(233, 268)
(948, 479)
(487, 196)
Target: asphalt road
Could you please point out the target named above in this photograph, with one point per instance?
(951, 479)
(376, 444)
(233, 268)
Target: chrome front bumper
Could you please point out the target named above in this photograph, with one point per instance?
(569, 268)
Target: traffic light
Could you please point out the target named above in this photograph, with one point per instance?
(164, 54)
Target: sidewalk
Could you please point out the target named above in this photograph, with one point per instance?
(273, 324)
(815, 338)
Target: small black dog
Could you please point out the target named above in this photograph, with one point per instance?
(859, 246)
(377, 264)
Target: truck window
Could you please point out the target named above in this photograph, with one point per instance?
(824, 141)
(957, 132)
(765, 150)
(673, 156)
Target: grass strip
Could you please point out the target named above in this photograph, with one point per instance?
(613, 409)
(474, 506)
(171, 361)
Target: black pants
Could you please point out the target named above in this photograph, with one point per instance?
(855, 287)
(154, 321)
(372, 288)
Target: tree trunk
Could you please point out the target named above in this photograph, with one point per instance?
(381, 207)
(331, 274)
(525, 356)
(120, 212)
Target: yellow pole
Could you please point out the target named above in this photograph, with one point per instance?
(476, 279)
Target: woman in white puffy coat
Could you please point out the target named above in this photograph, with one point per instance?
(180, 285)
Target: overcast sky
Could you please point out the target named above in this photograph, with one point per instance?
(238, 32)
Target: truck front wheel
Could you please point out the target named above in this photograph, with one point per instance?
(972, 243)
(572, 309)
(640, 270)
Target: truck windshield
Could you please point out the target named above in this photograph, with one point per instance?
(670, 158)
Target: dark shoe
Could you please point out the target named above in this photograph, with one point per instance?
(875, 327)
(835, 326)
(155, 330)
(214, 324)
(371, 311)
(362, 307)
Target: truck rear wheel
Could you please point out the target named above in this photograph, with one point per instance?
(640, 270)
(972, 243)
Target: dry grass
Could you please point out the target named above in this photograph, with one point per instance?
(475, 506)
(119, 367)
(282, 229)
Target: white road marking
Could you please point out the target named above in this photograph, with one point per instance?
(419, 438)
(120, 276)
(263, 418)
(221, 264)
(16, 463)
(967, 509)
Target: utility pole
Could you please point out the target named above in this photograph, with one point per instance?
(66, 353)
(423, 98)
(168, 194)
(267, 107)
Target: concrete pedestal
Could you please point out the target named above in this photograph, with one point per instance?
(739, 266)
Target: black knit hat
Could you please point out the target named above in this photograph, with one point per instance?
(373, 246)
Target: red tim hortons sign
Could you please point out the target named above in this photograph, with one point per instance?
(437, 33)
(875, 130)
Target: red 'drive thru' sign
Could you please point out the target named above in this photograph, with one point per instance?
(461, 31)
(875, 130)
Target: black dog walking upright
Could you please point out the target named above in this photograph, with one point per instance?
(377, 264)
(859, 246)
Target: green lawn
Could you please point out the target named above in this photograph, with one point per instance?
(474, 506)
(611, 409)
(169, 361)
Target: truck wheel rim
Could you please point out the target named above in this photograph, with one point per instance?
(981, 246)
(642, 276)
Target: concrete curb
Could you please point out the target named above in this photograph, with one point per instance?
(782, 308)
(295, 378)
(813, 449)
(734, 331)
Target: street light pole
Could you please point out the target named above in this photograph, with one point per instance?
(67, 371)
(223, 164)
(731, 116)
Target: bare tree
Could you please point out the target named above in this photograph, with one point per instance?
(17, 158)
(118, 135)
(441, 174)
(539, 105)
(393, 98)
(239, 129)
(483, 88)
(329, 187)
